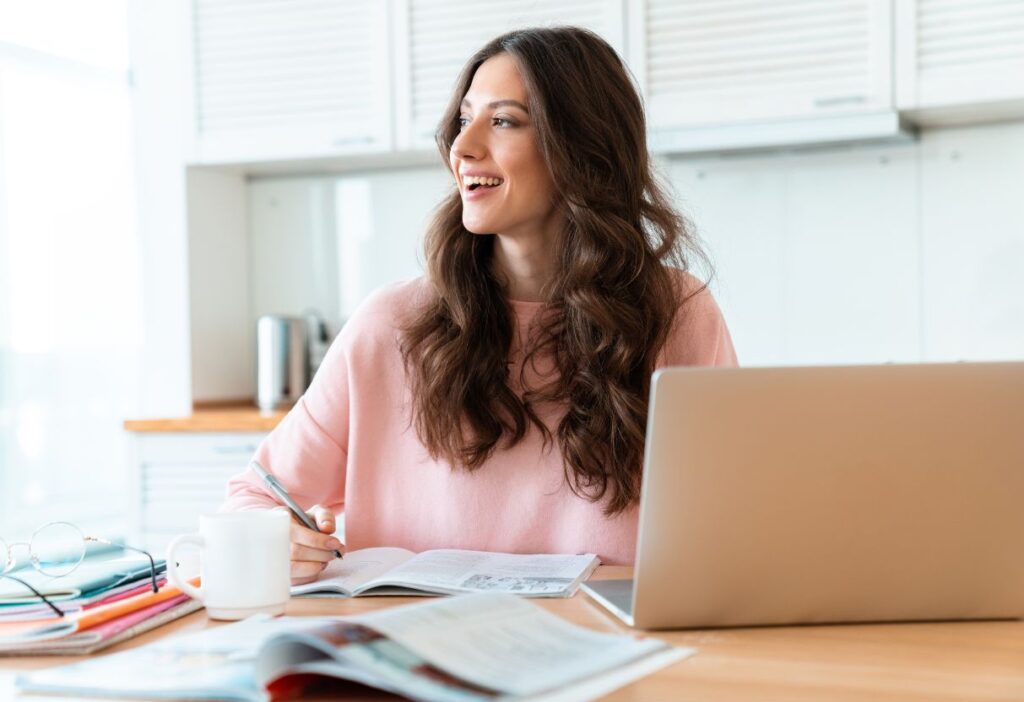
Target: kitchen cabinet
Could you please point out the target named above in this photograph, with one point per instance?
(365, 82)
(433, 40)
(179, 475)
(960, 61)
(288, 79)
(743, 74)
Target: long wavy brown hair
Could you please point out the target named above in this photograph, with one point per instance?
(609, 308)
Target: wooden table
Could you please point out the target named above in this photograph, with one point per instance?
(935, 661)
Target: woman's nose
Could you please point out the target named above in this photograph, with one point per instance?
(468, 143)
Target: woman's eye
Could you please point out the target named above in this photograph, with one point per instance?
(496, 121)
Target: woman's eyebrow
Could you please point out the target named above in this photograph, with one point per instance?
(499, 103)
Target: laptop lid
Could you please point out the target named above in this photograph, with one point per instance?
(830, 494)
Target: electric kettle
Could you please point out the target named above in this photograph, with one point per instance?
(288, 352)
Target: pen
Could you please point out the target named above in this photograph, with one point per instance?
(272, 483)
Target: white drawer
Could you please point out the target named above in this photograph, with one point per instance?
(173, 495)
(179, 476)
(183, 446)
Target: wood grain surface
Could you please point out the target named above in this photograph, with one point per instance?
(928, 661)
(232, 417)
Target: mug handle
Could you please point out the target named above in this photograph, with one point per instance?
(196, 593)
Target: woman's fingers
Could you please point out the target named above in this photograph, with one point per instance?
(302, 536)
(305, 571)
(306, 553)
(324, 519)
(312, 550)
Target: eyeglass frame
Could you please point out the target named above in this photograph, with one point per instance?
(86, 540)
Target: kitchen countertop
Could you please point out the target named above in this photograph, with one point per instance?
(219, 417)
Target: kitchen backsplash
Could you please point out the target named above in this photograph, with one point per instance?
(833, 256)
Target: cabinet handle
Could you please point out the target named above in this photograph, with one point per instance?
(238, 448)
(348, 141)
(841, 100)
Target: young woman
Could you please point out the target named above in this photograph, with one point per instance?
(499, 403)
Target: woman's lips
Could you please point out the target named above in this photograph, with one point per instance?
(480, 192)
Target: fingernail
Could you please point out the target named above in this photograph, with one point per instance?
(334, 543)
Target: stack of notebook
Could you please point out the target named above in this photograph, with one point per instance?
(104, 602)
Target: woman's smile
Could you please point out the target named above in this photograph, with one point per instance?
(476, 185)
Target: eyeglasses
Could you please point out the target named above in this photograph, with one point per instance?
(55, 550)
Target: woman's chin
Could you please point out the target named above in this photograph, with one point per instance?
(477, 227)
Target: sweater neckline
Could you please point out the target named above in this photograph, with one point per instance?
(525, 308)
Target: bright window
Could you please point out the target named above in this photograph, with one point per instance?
(69, 269)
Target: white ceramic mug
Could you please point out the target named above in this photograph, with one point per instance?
(244, 563)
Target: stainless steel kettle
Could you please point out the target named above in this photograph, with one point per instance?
(282, 361)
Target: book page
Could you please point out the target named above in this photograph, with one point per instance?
(450, 570)
(490, 639)
(346, 575)
(215, 663)
(350, 651)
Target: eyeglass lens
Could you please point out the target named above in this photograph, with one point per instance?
(57, 548)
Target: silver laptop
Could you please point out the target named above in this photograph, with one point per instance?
(829, 494)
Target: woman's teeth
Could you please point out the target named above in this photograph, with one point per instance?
(470, 181)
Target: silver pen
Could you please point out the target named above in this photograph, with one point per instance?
(279, 490)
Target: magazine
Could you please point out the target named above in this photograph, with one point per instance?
(483, 646)
(108, 633)
(396, 571)
(15, 635)
(33, 612)
(90, 579)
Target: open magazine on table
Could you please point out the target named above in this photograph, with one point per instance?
(475, 647)
(396, 571)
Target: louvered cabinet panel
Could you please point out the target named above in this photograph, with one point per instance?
(961, 53)
(279, 79)
(438, 38)
(179, 476)
(727, 62)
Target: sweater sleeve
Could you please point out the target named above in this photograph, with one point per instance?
(699, 336)
(307, 452)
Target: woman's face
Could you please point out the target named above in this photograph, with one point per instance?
(498, 144)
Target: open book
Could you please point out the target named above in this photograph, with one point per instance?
(395, 571)
(476, 647)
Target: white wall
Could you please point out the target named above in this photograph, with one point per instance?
(223, 365)
(816, 255)
(972, 218)
(897, 253)
(292, 260)
(160, 86)
(381, 218)
(290, 246)
(903, 253)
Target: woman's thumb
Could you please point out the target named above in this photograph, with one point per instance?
(323, 517)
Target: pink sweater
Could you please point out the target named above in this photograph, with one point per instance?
(347, 444)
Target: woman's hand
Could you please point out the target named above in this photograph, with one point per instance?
(312, 551)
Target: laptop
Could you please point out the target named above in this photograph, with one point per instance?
(829, 494)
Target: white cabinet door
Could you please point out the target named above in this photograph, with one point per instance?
(179, 476)
(960, 60)
(758, 63)
(284, 79)
(435, 39)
